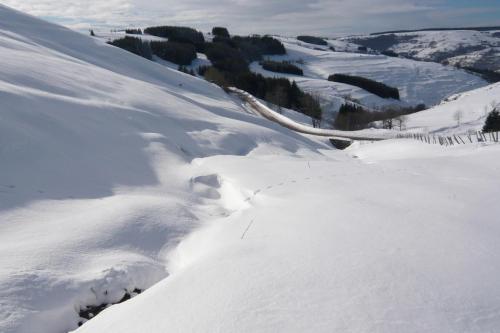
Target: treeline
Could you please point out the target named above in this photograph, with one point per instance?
(352, 117)
(278, 91)
(313, 40)
(220, 31)
(134, 45)
(254, 47)
(390, 53)
(133, 31)
(230, 58)
(178, 53)
(377, 88)
(281, 67)
(179, 34)
(488, 75)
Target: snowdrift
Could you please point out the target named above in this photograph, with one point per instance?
(98, 151)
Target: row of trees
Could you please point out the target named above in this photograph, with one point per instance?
(281, 67)
(230, 58)
(313, 40)
(179, 34)
(134, 45)
(352, 117)
(178, 53)
(133, 31)
(377, 88)
(278, 91)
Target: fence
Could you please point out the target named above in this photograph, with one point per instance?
(453, 139)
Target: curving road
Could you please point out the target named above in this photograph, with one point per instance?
(264, 111)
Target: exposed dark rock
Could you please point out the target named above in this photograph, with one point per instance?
(340, 143)
(90, 311)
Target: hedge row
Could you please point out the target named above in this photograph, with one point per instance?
(313, 40)
(178, 34)
(377, 88)
(281, 67)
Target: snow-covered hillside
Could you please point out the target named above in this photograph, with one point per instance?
(418, 82)
(118, 174)
(459, 114)
(467, 48)
(98, 172)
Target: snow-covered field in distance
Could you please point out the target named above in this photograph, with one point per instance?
(118, 173)
(418, 82)
(477, 49)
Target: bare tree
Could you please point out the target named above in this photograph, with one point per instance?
(457, 116)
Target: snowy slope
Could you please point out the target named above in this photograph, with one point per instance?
(473, 107)
(402, 239)
(475, 49)
(119, 173)
(418, 82)
(97, 179)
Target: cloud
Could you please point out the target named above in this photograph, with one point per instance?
(326, 17)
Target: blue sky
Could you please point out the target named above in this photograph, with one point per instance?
(289, 17)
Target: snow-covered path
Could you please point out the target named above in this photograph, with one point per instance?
(392, 241)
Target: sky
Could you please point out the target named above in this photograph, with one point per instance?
(285, 17)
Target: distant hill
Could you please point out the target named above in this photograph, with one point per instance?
(438, 29)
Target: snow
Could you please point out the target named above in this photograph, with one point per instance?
(464, 47)
(418, 82)
(473, 107)
(119, 173)
(96, 176)
(402, 239)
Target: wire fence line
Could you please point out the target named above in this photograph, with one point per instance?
(452, 140)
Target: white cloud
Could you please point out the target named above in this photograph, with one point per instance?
(242, 16)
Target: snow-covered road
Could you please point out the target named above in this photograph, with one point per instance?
(264, 111)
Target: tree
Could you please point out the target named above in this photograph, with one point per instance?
(376, 88)
(388, 123)
(281, 67)
(312, 40)
(220, 31)
(401, 121)
(492, 123)
(134, 45)
(213, 75)
(278, 96)
(178, 53)
(457, 116)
